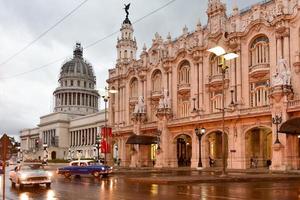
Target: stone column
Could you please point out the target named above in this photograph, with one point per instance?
(138, 119)
(279, 47)
(239, 79)
(164, 154)
(279, 97)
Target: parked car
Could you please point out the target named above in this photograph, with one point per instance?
(30, 174)
(81, 167)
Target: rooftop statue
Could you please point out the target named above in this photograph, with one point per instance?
(126, 9)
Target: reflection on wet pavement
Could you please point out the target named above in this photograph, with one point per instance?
(116, 187)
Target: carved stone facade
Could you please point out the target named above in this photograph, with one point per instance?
(181, 84)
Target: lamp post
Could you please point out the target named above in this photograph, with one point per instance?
(105, 98)
(220, 52)
(45, 157)
(19, 154)
(199, 134)
(277, 120)
(98, 146)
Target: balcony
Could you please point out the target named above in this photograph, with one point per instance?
(259, 70)
(183, 88)
(294, 105)
(133, 100)
(156, 94)
(215, 81)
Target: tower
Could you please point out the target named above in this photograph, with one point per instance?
(216, 13)
(126, 46)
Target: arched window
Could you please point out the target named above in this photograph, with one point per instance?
(183, 107)
(259, 94)
(184, 73)
(156, 81)
(259, 51)
(214, 67)
(134, 88)
(216, 101)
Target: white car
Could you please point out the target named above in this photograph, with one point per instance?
(30, 174)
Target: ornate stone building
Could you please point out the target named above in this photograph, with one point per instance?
(73, 126)
(176, 86)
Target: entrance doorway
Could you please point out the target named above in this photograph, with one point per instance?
(184, 150)
(213, 149)
(53, 155)
(258, 147)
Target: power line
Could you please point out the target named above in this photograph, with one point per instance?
(93, 43)
(42, 34)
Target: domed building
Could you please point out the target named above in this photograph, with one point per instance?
(76, 93)
(71, 130)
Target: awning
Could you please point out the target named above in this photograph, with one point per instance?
(142, 139)
(291, 126)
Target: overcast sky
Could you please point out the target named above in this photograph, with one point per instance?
(25, 98)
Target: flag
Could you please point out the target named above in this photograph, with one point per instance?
(106, 131)
(105, 148)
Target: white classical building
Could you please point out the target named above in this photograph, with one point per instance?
(72, 128)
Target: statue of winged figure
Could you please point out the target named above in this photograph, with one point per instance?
(126, 9)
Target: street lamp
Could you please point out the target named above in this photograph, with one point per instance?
(277, 120)
(45, 157)
(19, 154)
(98, 146)
(105, 98)
(220, 52)
(199, 134)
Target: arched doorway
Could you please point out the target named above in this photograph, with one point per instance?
(184, 150)
(258, 147)
(213, 149)
(53, 155)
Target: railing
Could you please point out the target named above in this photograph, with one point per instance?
(265, 66)
(259, 109)
(183, 86)
(294, 103)
(155, 93)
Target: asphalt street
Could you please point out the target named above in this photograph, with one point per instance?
(117, 187)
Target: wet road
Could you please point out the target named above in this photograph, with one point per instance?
(116, 187)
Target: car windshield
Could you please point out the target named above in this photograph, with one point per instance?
(32, 167)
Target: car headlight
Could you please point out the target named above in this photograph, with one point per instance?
(49, 174)
(23, 176)
(111, 168)
(102, 168)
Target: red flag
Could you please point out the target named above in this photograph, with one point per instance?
(106, 131)
(105, 148)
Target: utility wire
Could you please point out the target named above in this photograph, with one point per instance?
(42, 34)
(91, 44)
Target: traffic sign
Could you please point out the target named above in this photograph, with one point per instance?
(6, 146)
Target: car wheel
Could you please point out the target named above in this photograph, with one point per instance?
(104, 175)
(96, 174)
(67, 174)
(48, 185)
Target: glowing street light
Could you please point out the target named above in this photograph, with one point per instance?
(220, 52)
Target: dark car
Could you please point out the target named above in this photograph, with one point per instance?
(85, 167)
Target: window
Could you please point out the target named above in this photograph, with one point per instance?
(184, 107)
(216, 101)
(134, 88)
(78, 83)
(66, 83)
(259, 51)
(156, 81)
(259, 94)
(214, 67)
(71, 82)
(184, 73)
(84, 84)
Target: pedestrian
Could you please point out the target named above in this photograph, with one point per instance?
(211, 161)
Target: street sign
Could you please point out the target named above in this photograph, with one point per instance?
(5, 148)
